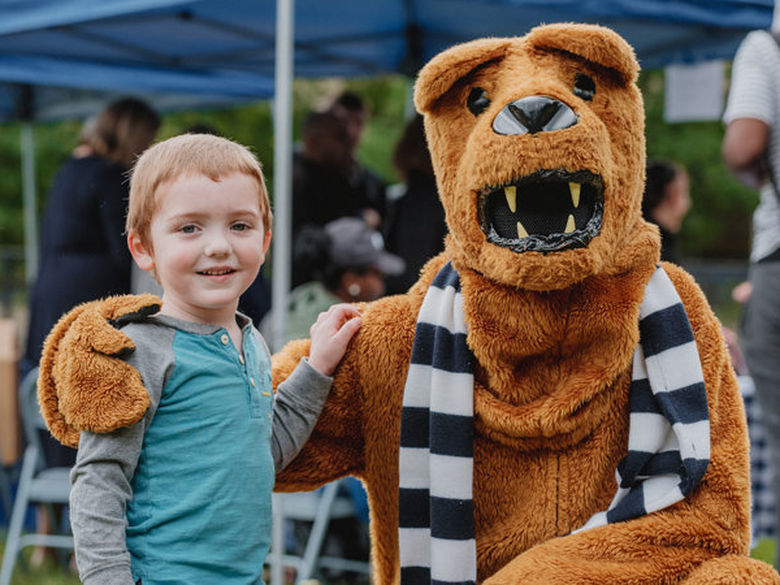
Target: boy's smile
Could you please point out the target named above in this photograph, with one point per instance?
(207, 245)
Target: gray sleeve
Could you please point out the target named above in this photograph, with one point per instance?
(100, 490)
(105, 465)
(297, 406)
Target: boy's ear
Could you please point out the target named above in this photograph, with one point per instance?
(266, 241)
(141, 254)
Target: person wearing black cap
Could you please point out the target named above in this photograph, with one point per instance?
(348, 261)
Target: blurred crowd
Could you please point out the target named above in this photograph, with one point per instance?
(355, 238)
(352, 241)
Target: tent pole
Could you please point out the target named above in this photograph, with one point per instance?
(280, 283)
(29, 197)
(282, 113)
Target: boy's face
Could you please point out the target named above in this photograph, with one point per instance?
(207, 245)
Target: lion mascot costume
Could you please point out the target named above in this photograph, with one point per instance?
(547, 404)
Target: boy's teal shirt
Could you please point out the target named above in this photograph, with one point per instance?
(190, 484)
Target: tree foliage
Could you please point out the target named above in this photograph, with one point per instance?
(718, 225)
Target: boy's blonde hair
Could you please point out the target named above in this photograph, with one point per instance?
(188, 154)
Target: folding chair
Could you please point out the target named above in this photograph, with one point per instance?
(320, 508)
(38, 485)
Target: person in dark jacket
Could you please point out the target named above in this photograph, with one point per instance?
(84, 255)
(416, 227)
(83, 251)
(352, 110)
(321, 187)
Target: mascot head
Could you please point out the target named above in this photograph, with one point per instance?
(539, 152)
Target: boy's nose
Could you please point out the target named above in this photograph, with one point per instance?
(217, 245)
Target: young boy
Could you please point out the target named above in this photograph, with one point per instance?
(184, 495)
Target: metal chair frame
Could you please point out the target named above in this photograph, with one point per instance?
(319, 508)
(38, 484)
(5, 490)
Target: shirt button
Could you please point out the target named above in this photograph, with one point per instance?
(224, 339)
(252, 381)
(241, 359)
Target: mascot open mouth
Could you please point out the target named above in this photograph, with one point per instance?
(547, 211)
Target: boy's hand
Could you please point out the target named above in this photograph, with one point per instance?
(330, 336)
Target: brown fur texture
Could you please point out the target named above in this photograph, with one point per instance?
(94, 392)
(553, 334)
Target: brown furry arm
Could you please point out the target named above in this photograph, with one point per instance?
(335, 446)
(703, 539)
(356, 433)
(82, 384)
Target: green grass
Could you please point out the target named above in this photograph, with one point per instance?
(765, 550)
(52, 574)
(49, 573)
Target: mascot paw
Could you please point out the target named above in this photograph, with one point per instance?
(82, 384)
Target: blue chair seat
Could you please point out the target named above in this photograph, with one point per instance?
(51, 485)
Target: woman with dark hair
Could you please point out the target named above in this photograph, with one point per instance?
(666, 202)
(83, 251)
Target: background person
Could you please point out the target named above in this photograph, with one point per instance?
(416, 225)
(351, 109)
(666, 202)
(83, 251)
(348, 262)
(751, 150)
(321, 190)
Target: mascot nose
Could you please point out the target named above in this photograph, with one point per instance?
(534, 114)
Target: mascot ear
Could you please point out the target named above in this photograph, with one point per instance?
(599, 46)
(441, 72)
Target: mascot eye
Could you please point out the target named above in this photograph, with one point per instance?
(584, 87)
(478, 101)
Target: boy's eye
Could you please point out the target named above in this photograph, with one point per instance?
(187, 229)
(241, 227)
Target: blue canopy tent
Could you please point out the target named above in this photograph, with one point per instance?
(352, 37)
(255, 38)
(46, 88)
(89, 43)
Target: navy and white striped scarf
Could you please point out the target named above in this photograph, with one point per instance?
(668, 440)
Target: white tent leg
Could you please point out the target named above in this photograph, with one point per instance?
(29, 196)
(282, 169)
(280, 284)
